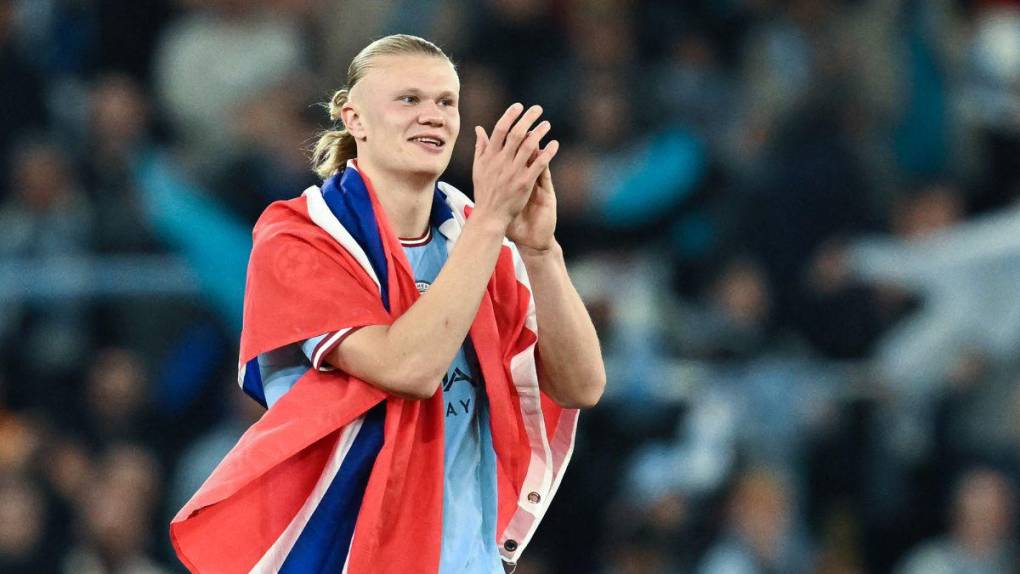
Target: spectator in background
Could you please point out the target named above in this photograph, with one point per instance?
(20, 443)
(814, 192)
(652, 525)
(642, 182)
(604, 112)
(30, 536)
(980, 538)
(22, 528)
(693, 90)
(67, 471)
(964, 271)
(22, 105)
(975, 416)
(990, 101)
(134, 473)
(116, 516)
(118, 137)
(732, 320)
(783, 60)
(210, 62)
(47, 219)
(639, 552)
(760, 533)
(49, 215)
(116, 401)
(118, 132)
(273, 137)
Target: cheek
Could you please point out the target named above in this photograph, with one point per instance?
(454, 125)
(384, 122)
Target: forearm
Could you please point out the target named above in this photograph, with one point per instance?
(409, 357)
(570, 357)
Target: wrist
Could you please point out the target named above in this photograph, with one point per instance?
(552, 250)
(488, 222)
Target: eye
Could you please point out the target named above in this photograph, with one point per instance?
(448, 103)
(409, 99)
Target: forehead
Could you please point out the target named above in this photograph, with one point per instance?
(418, 71)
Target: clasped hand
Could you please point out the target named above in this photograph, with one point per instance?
(512, 181)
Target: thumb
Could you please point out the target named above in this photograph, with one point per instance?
(481, 141)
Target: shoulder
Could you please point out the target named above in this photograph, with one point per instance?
(283, 218)
(286, 239)
(285, 233)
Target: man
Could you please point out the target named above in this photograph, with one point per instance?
(423, 393)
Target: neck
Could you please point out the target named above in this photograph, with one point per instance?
(406, 201)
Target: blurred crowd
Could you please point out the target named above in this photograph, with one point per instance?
(795, 222)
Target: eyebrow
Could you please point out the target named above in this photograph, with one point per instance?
(417, 92)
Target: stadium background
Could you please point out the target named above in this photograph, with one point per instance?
(794, 222)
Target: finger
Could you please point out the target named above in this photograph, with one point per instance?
(502, 126)
(530, 144)
(546, 177)
(481, 141)
(520, 130)
(541, 162)
(534, 155)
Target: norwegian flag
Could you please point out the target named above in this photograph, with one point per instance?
(339, 476)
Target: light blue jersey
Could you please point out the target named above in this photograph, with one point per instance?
(469, 466)
(469, 485)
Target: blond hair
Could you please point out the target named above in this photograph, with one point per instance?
(336, 146)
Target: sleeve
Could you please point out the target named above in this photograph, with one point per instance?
(958, 249)
(318, 348)
(302, 286)
(887, 260)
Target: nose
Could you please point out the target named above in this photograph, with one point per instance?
(431, 115)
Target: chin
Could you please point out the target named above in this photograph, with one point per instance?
(432, 169)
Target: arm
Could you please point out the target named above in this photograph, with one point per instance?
(570, 358)
(913, 263)
(409, 357)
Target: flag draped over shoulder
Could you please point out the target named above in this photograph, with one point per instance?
(339, 476)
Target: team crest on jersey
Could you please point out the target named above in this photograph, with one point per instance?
(422, 286)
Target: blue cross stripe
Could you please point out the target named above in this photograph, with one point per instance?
(252, 383)
(323, 544)
(347, 197)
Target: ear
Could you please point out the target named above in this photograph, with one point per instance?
(352, 120)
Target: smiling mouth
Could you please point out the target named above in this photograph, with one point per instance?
(429, 140)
